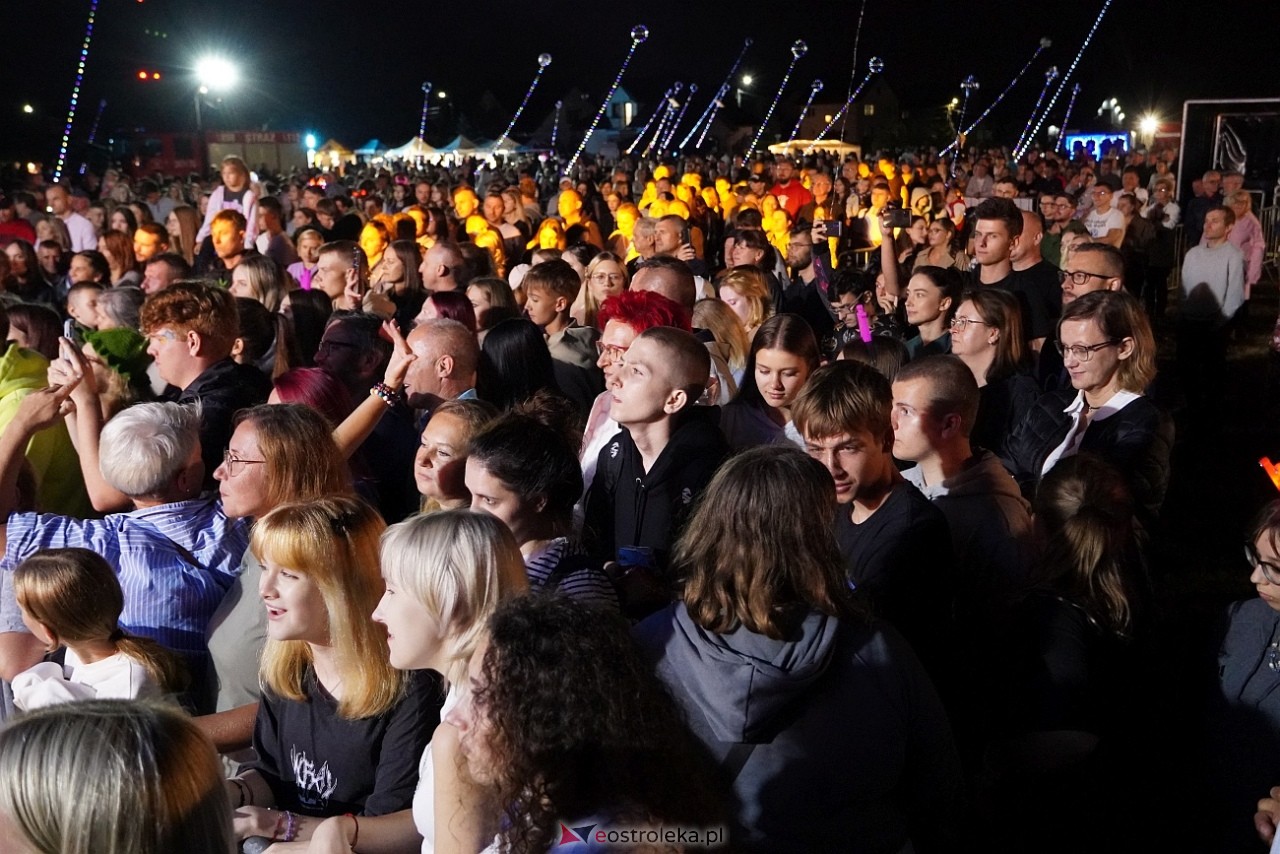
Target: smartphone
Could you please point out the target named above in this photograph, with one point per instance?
(833, 227)
(898, 218)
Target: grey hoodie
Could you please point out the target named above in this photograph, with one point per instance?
(990, 525)
(847, 747)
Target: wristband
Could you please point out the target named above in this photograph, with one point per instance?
(387, 394)
(290, 827)
(355, 837)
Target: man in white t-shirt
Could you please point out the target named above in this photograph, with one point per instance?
(1104, 222)
(81, 230)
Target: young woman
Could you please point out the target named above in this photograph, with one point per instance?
(105, 777)
(234, 193)
(986, 334)
(715, 316)
(440, 466)
(515, 364)
(257, 277)
(71, 598)
(117, 248)
(444, 575)
(523, 469)
(745, 290)
(307, 241)
(564, 722)
(398, 277)
(783, 354)
(338, 730)
(767, 654)
(182, 225)
(488, 293)
(932, 295)
(605, 276)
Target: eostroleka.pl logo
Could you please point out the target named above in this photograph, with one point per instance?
(589, 835)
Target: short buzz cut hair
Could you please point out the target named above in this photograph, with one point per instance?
(1112, 259)
(556, 277)
(952, 389)
(842, 398)
(1000, 209)
(688, 363)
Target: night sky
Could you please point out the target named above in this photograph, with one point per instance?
(353, 70)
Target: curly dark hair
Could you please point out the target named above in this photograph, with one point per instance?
(583, 726)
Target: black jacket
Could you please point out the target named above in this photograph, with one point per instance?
(222, 389)
(629, 507)
(1136, 440)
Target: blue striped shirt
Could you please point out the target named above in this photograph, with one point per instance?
(174, 561)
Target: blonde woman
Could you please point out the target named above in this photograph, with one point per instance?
(111, 777)
(731, 339)
(257, 277)
(745, 290)
(445, 574)
(182, 224)
(606, 276)
(338, 729)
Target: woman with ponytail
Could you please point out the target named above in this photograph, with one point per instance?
(71, 598)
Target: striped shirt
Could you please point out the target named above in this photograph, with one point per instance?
(584, 583)
(174, 561)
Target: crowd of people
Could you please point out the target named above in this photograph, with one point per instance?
(794, 505)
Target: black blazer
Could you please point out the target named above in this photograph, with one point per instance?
(1136, 440)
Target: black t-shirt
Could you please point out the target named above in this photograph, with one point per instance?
(900, 562)
(320, 764)
(1040, 295)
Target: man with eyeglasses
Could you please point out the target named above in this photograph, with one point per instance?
(1105, 223)
(808, 292)
(1094, 267)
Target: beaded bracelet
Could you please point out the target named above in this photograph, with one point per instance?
(355, 837)
(387, 394)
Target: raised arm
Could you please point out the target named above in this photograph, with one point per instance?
(357, 426)
(84, 421)
(888, 260)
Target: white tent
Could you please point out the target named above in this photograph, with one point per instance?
(800, 146)
(415, 149)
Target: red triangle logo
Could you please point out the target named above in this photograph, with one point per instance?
(567, 835)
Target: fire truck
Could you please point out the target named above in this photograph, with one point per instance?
(144, 154)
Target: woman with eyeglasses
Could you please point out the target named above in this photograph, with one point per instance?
(1245, 710)
(986, 334)
(1109, 354)
(605, 276)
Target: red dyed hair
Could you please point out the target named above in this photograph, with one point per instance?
(317, 389)
(643, 310)
(455, 306)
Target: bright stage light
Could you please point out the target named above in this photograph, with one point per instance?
(217, 73)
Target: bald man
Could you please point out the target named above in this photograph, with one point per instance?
(1034, 281)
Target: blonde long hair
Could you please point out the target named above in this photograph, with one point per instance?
(334, 542)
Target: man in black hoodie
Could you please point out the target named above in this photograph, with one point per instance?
(652, 471)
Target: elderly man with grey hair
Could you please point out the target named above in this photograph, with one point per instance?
(175, 553)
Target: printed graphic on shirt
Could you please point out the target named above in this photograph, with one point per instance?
(314, 785)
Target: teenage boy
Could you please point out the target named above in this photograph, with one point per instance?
(895, 543)
(550, 289)
(935, 403)
(651, 473)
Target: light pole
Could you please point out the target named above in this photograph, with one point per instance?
(213, 74)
